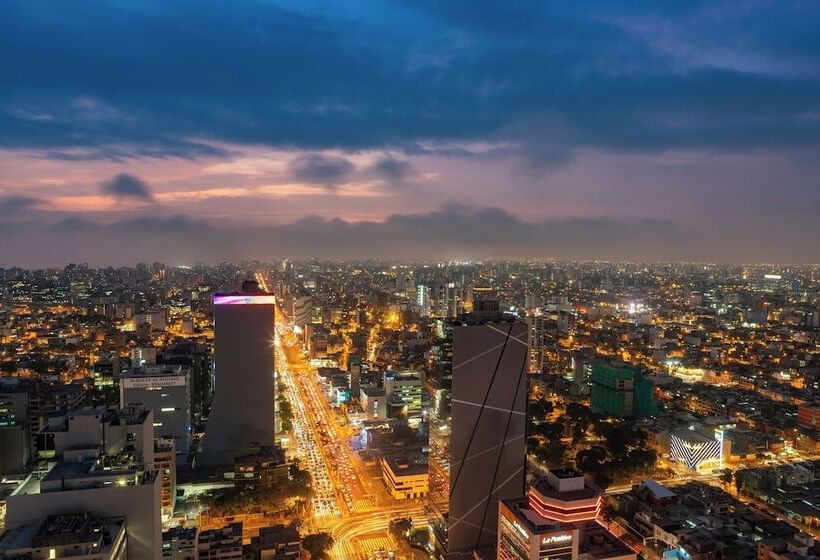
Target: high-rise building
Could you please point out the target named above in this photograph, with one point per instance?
(621, 390)
(423, 300)
(167, 391)
(243, 406)
(477, 454)
(536, 336)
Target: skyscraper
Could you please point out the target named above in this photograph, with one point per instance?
(243, 407)
(478, 453)
(536, 339)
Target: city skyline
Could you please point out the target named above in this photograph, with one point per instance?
(144, 131)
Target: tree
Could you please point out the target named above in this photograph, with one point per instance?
(591, 460)
(539, 410)
(551, 454)
(401, 527)
(318, 544)
(551, 431)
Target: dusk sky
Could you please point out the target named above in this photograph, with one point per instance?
(184, 131)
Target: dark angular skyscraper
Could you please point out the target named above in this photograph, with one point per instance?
(479, 452)
(243, 407)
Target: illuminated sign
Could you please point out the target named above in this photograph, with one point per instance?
(556, 539)
(153, 381)
(244, 299)
(520, 529)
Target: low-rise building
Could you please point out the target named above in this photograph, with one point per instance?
(557, 520)
(220, 544)
(179, 543)
(278, 542)
(406, 476)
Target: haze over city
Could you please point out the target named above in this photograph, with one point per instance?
(186, 132)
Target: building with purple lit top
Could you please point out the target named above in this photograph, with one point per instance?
(242, 413)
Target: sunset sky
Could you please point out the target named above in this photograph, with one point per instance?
(184, 131)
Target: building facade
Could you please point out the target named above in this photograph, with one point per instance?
(478, 452)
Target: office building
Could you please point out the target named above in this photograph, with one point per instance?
(621, 391)
(477, 454)
(556, 520)
(404, 392)
(166, 390)
(243, 405)
(406, 476)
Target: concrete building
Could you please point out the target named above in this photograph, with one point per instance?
(103, 464)
(278, 542)
(373, 402)
(301, 310)
(220, 544)
(166, 390)
(79, 536)
(263, 467)
(165, 465)
(404, 392)
(179, 543)
(243, 404)
(143, 356)
(90, 432)
(478, 453)
(423, 300)
(109, 486)
(406, 476)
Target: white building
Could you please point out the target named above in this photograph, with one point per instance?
(166, 390)
(101, 453)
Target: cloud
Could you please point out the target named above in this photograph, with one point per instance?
(408, 73)
(127, 186)
(15, 205)
(393, 170)
(451, 232)
(320, 169)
